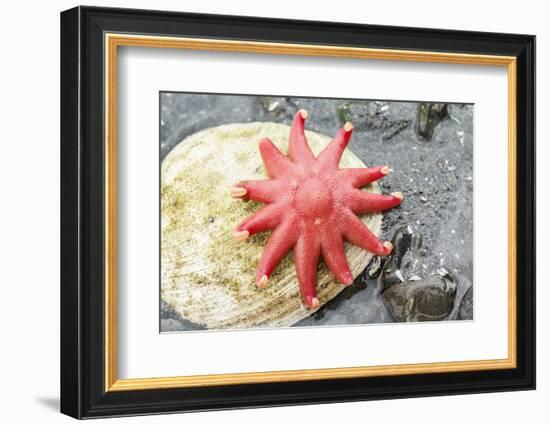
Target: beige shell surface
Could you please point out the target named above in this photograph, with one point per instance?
(206, 276)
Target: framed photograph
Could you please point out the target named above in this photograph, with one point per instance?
(261, 212)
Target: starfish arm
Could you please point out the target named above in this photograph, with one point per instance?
(330, 157)
(306, 257)
(281, 241)
(258, 190)
(332, 248)
(362, 202)
(266, 218)
(359, 177)
(355, 231)
(276, 163)
(298, 147)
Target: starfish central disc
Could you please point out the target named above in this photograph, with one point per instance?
(311, 207)
(313, 198)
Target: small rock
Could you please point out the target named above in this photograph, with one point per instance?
(466, 310)
(371, 116)
(272, 106)
(429, 115)
(443, 272)
(375, 267)
(463, 284)
(278, 106)
(460, 135)
(404, 261)
(431, 298)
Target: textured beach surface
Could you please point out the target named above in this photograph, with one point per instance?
(429, 147)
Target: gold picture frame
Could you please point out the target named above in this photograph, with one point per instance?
(114, 41)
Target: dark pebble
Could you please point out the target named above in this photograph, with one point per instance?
(431, 298)
(429, 115)
(466, 310)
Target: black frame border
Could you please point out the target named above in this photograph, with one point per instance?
(82, 212)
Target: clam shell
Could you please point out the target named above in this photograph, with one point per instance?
(206, 276)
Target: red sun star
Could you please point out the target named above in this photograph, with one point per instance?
(311, 207)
